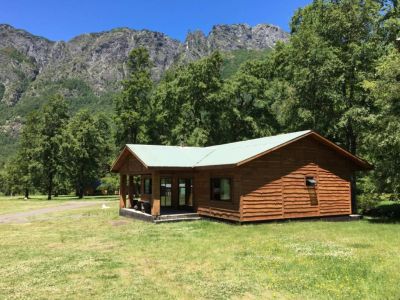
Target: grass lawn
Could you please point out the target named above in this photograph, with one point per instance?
(92, 252)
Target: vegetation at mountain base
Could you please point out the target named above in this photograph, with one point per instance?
(338, 74)
(86, 147)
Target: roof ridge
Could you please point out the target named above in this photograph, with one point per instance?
(172, 146)
(204, 157)
(260, 138)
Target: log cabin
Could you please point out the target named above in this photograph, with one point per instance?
(293, 175)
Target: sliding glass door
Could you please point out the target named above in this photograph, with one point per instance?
(166, 191)
(185, 192)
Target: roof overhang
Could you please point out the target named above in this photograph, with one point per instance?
(117, 164)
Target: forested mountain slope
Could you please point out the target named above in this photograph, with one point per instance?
(87, 70)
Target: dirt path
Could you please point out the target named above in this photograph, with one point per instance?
(22, 217)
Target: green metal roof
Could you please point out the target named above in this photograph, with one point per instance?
(225, 154)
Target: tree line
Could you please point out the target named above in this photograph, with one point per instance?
(339, 74)
(58, 153)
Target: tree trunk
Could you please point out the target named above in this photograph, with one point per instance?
(26, 193)
(80, 191)
(352, 146)
(50, 187)
(353, 184)
(80, 196)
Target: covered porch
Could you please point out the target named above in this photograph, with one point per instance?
(150, 193)
(158, 196)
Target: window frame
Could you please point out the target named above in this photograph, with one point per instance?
(212, 179)
(187, 196)
(313, 177)
(164, 197)
(150, 191)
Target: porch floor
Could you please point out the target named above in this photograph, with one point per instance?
(167, 215)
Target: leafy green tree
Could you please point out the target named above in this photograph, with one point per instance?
(54, 117)
(38, 160)
(384, 136)
(248, 111)
(109, 184)
(132, 104)
(188, 103)
(86, 148)
(332, 51)
(3, 182)
(17, 177)
(27, 163)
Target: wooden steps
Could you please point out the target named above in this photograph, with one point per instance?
(175, 217)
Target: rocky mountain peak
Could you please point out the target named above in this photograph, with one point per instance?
(99, 59)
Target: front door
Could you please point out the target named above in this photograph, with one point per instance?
(185, 192)
(166, 191)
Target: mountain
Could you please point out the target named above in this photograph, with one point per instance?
(98, 58)
(88, 68)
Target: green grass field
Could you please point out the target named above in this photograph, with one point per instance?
(17, 204)
(93, 253)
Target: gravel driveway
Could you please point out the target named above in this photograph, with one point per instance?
(22, 217)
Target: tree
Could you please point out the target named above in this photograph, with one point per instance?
(21, 170)
(86, 148)
(27, 163)
(332, 51)
(54, 117)
(248, 111)
(132, 104)
(188, 104)
(384, 136)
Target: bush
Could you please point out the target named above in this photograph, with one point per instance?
(368, 201)
(388, 210)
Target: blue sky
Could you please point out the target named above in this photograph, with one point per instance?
(62, 20)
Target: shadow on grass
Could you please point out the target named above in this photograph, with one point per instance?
(384, 213)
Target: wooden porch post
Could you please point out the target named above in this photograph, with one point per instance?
(130, 190)
(155, 194)
(122, 191)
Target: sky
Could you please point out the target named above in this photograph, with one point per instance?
(63, 20)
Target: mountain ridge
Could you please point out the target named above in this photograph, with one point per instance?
(88, 68)
(99, 58)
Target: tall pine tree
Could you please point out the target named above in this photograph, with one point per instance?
(132, 104)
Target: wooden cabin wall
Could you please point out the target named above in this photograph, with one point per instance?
(131, 165)
(273, 186)
(262, 188)
(220, 209)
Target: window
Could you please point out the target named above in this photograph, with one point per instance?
(185, 192)
(311, 182)
(147, 186)
(166, 191)
(221, 189)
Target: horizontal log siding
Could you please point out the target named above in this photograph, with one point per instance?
(273, 186)
(262, 189)
(218, 209)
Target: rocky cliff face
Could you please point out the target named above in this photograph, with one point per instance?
(99, 58)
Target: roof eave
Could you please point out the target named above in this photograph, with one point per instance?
(221, 166)
(114, 166)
